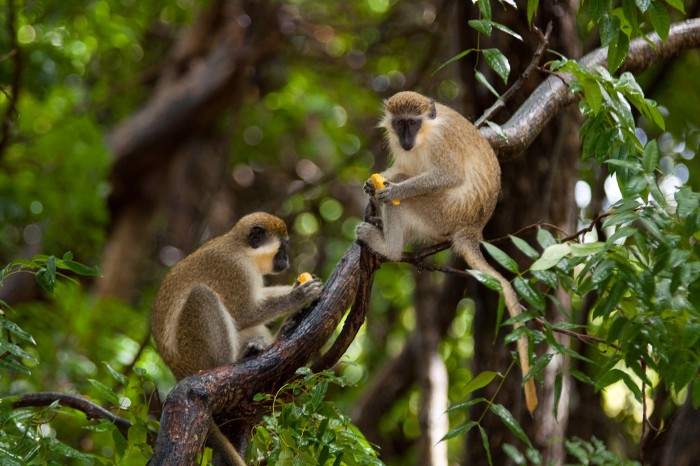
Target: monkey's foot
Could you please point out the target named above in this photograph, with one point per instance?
(376, 221)
(254, 347)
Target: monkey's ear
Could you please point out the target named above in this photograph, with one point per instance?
(433, 112)
(256, 237)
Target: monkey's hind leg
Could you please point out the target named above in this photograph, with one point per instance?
(388, 241)
(206, 334)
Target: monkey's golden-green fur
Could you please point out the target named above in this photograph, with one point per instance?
(448, 179)
(213, 305)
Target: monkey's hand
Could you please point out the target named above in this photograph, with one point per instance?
(310, 290)
(369, 187)
(388, 194)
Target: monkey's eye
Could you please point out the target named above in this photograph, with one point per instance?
(412, 123)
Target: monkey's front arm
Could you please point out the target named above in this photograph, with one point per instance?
(424, 183)
(278, 301)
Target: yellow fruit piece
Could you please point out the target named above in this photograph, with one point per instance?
(304, 277)
(379, 182)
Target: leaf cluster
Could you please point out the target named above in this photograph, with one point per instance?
(304, 429)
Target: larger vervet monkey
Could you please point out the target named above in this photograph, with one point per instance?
(212, 306)
(446, 179)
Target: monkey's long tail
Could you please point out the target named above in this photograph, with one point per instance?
(468, 247)
(221, 444)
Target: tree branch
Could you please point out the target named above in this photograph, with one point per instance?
(536, 57)
(229, 390)
(91, 410)
(554, 94)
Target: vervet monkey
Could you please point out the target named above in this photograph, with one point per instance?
(446, 179)
(212, 306)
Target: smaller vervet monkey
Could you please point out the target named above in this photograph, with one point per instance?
(212, 307)
(446, 179)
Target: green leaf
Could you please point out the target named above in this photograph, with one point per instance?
(60, 448)
(507, 30)
(631, 165)
(482, 79)
(501, 257)
(510, 422)
(525, 247)
(545, 238)
(9, 347)
(105, 391)
(547, 277)
(660, 19)
(586, 249)
(486, 280)
(15, 330)
(531, 294)
(643, 5)
(532, 6)
(608, 378)
(485, 8)
(485, 444)
(513, 453)
(651, 156)
(497, 129)
(593, 94)
(540, 363)
(46, 276)
(483, 26)
(79, 268)
(688, 202)
(480, 381)
(551, 256)
(119, 377)
(465, 405)
(609, 27)
(597, 8)
(461, 429)
(498, 63)
(460, 55)
(558, 384)
(577, 374)
(608, 304)
(623, 232)
(677, 4)
(617, 51)
(13, 365)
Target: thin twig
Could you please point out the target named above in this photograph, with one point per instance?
(536, 57)
(537, 225)
(589, 228)
(583, 338)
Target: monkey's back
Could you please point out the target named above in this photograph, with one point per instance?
(225, 274)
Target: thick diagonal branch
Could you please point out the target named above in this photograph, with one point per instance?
(554, 94)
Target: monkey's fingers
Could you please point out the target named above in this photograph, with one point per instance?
(385, 195)
(369, 188)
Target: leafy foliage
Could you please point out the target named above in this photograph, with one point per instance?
(304, 429)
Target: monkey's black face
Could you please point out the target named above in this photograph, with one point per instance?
(406, 128)
(281, 261)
